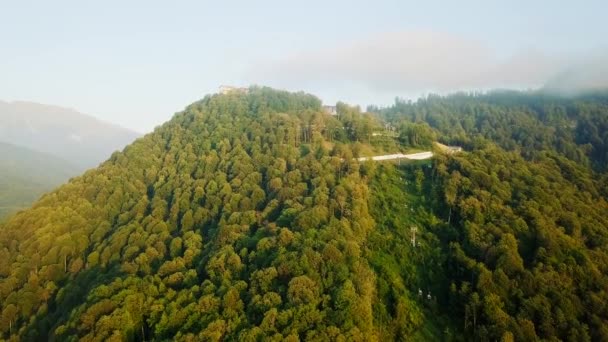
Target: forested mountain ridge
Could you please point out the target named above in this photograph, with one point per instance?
(248, 217)
(527, 122)
(221, 224)
(527, 243)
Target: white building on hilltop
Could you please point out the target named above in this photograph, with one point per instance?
(226, 89)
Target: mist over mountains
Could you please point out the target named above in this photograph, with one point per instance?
(43, 146)
(26, 174)
(586, 76)
(82, 140)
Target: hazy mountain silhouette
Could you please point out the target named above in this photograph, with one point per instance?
(26, 174)
(80, 139)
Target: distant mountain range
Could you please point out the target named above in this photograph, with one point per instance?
(82, 140)
(42, 146)
(26, 174)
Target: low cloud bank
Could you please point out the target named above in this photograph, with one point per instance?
(407, 62)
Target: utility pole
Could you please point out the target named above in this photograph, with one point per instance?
(413, 229)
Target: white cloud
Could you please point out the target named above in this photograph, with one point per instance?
(409, 62)
(75, 137)
(586, 74)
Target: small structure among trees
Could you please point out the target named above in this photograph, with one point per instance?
(331, 110)
(226, 89)
(449, 149)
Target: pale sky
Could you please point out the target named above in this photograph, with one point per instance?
(135, 63)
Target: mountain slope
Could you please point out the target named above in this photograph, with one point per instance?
(27, 174)
(221, 224)
(521, 217)
(80, 139)
(248, 217)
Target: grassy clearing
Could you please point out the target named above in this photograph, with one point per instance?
(398, 202)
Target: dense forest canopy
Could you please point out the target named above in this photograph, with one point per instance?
(527, 122)
(526, 235)
(248, 217)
